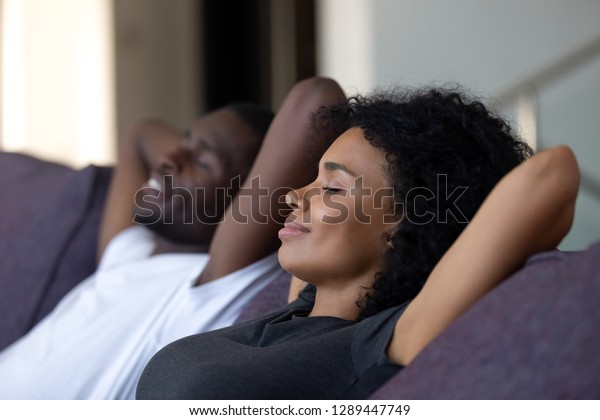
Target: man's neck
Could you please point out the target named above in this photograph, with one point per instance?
(165, 246)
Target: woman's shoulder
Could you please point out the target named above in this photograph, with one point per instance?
(372, 337)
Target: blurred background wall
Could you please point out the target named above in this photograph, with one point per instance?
(77, 74)
(57, 78)
(538, 61)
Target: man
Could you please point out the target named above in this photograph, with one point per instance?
(196, 165)
(143, 294)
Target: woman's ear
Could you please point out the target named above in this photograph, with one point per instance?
(392, 220)
(391, 233)
(389, 244)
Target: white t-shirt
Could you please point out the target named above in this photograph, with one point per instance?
(97, 341)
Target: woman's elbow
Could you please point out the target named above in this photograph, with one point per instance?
(557, 172)
(565, 168)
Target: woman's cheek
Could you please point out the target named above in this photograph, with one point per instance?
(335, 210)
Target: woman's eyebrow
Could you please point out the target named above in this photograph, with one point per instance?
(334, 166)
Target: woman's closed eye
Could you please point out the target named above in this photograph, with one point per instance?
(333, 190)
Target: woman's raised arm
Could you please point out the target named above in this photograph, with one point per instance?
(529, 211)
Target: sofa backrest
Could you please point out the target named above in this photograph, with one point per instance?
(272, 297)
(49, 218)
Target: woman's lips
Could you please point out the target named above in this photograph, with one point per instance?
(292, 230)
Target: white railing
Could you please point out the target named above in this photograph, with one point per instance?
(524, 94)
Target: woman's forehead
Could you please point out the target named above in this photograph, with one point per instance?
(352, 154)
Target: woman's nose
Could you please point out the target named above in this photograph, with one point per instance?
(296, 199)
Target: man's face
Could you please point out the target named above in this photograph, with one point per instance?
(194, 178)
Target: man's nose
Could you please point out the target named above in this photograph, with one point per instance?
(173, 161)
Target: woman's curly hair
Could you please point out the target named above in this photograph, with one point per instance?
(436, 140)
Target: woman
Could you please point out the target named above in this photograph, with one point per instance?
(377, 235)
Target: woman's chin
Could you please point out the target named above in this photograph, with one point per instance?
(287, 261)
(283, 258)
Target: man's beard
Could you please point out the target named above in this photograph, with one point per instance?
(197, 233)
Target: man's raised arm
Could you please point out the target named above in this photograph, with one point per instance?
(287, 160)
(132, 170)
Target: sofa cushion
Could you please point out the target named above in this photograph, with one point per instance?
(536, 336)
(49, 221)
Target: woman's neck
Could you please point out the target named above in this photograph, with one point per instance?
(338, 302)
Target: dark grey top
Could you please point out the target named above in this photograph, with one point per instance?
(283, 355)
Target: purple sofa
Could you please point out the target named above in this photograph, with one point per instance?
(49, 217)
(537, 336)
